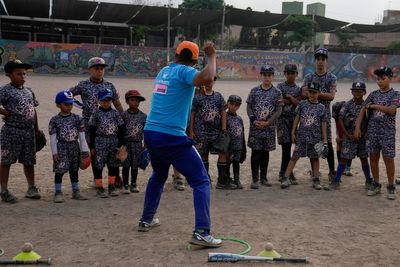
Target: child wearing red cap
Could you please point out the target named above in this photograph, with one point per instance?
(134, 120)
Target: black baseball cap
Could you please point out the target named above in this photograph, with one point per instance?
(15, 64)
(321, 52)
(384, 70)
(358, 86)
(314, 86)
(290, 68)
(267, 69)
(235, 98)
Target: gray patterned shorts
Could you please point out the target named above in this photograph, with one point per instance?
(106, 150)
(17, 144)
(69, 154)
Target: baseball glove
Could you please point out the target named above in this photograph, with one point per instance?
(85, 160)
(40, 140)
(321, 149)
(122, 153)
(144, 159)
(222, 143)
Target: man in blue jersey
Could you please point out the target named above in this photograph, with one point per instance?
(165, 137)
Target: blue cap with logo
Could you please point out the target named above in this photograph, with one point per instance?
(65, 97)
(314, 86)
(321, 52)
(104, 94)
(267, 69)
(358, 86)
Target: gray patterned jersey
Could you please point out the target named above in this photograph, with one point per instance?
(20, 103)
(285, 121)
(311, 117)
(208, 110)
(382, 123)
(88, 91)
(263, 104)
(134, 125)
(66, 128)
(106, 122)
(349, 113)
(293, 90)
(236, 131)
(327, 84)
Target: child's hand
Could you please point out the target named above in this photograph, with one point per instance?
(93, 152)
(357, 133)
(56, 158)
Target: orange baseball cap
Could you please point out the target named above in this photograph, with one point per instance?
(191, 46)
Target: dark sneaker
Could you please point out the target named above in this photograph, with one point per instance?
(254, 185)
(391, 190)
(265, 183)
(58, 197)
(112, 192)
(238, 184)
(134, 188)
(333, 185)
(101, 193)
(316, 184)
(285, 182)
(205, 240)
(7, 197)
(332, 176)
(32, 193)
(374, 189)
(293, 180)
(225, 186)
(178, 183)
(78, 196)
(145, 226)
(368, 184)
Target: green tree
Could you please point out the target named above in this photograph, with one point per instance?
(347, 37)
(202, 4)
(302, 29)
(393, 47)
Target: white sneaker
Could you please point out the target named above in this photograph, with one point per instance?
(205, 240)
(145, 226)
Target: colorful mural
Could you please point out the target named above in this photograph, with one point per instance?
(54, 58)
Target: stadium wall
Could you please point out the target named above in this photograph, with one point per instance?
(139, 61)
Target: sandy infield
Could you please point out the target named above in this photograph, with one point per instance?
(341, 228)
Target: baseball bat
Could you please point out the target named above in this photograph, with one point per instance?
(230, 257)
(14, 262)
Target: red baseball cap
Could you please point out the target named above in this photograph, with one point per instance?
(194, 48)
(134, 93)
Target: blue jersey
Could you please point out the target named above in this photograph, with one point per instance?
(172, 100)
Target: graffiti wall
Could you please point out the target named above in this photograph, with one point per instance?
(54, 58)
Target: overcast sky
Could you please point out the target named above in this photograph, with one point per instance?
(355, 11)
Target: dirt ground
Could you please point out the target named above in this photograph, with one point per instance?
(341, 228)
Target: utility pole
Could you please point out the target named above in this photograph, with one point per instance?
(223, 27)
(313, 31)
(168, 30)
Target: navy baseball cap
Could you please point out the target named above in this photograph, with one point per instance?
(314, 86)
(321, 52)
(64, 97)
(358, 86)
(384, 70)
(290, 68)
(235, 98)
(15, 64)
(104, 94)
(267, 69)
